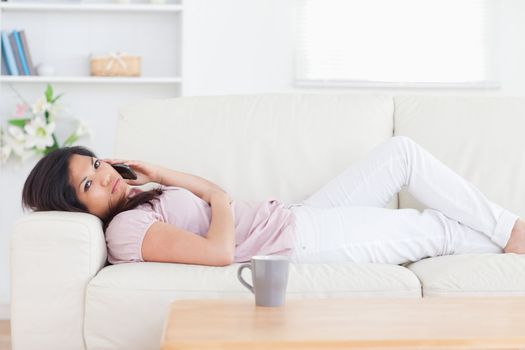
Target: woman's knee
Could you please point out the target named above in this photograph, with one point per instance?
(405, 145)
(401, 145)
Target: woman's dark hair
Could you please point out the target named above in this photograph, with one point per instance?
(48, 187)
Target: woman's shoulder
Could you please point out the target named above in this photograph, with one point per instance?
(171, 196)
(136, 217)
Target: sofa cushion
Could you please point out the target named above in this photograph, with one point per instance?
(127, 303)
(471, 275)
(479, 137)
(257, 146)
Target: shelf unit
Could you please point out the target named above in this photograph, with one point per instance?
(90, 80)
(23, 6)
(78, 72)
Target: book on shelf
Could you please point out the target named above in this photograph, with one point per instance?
(4, 66)
(21, 52)
(7, 53)
(15, 51)
(29, 60)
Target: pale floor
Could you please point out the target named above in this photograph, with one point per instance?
(5, 335)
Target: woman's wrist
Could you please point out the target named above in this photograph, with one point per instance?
(160, 176)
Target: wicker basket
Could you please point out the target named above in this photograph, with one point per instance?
(115, 65)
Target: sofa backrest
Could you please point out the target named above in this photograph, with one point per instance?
(257, 146)
(481, 138)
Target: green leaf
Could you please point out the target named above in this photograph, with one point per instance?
(56, 98)
(71, 140)
(19, 122)
(49, 93)
(49, 150)
(55, 141)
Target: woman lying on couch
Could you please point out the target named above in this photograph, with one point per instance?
(191, 220)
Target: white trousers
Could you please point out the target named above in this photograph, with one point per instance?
(346, 220)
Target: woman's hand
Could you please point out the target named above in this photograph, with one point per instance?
(145, 172)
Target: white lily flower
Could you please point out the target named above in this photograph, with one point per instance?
(39, 134)
(40, 106)
(16, 147)
(17, 133)
(5, 152)
(54, 109)
(58, 107)
(83, 129)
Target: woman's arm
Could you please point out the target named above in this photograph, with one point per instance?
(196, 184)
(221, 231)
(154, 173)
(166, 243)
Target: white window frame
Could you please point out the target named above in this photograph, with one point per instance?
(492, 59)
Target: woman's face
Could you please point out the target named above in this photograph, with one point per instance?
(97, 185)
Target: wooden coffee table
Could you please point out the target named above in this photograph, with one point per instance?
(427, 323)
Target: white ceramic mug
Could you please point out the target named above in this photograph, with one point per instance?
(269, 277)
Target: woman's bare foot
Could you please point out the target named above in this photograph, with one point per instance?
(516, 243)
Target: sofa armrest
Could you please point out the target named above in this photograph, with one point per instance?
(54, 255)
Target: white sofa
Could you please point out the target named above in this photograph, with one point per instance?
(64, 296)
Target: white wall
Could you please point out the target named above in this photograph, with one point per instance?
(238, 47)
(246, 46)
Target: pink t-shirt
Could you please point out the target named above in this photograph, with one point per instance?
(262, 228)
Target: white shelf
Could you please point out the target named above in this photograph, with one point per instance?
(79, 7)
(90, 80)
(128, 26)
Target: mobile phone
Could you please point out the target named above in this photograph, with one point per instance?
(125, 171)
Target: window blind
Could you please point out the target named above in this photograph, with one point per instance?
(392, 41)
